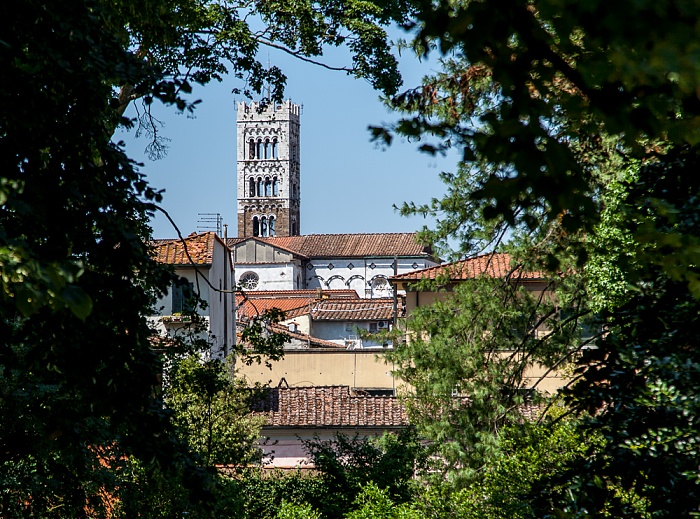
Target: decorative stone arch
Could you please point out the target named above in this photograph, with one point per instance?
(317, 277)
(353, 278)
(333, 278)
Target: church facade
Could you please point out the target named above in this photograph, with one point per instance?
(360, 262)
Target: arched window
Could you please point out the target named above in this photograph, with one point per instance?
(263, 226)
(260, 186)
(251, 149)
(260, 149)
(268, 149)
(275, 187)
(268, 187)
(256, 226)
(271, 225)
(251, 187)
(380, 287)
(275, 149)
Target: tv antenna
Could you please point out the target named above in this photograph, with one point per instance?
(211, 222)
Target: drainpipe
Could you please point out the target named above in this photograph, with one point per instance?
(226, 295)
(395, 304)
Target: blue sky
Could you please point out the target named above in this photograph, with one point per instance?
(348, 184)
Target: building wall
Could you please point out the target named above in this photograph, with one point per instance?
(284, 449)
(365, 275)
(220, 305)
(219, 308)
(271, 276)
(357, 369)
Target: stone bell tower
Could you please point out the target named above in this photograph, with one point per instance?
(268, 169)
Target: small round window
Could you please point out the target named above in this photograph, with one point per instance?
(249, 281)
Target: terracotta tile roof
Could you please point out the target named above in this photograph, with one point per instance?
(353, 310)
(497, 265)
(199, 246)
(330, 406)
(347, 245)
(252, 306)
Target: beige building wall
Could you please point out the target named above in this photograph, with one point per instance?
(357, 369)
(361, 369)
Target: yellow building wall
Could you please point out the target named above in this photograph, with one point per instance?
(357, 369)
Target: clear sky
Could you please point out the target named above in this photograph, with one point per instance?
(348, 184)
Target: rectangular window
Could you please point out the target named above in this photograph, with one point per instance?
(373, 327)
(183, 298)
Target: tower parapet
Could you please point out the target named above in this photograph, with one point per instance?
(268, 169)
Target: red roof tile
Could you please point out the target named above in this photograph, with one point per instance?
(347, 245)
(200, 248)
(332, 406)
(353, 310)
(497, 265)
(250, 307)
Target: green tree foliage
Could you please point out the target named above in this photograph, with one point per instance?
(374, 503)
(212, 412)
(641, 386)
(348, 463)
(578, 127)
(79, 378)
(467, 358)
(342, 467)
(294, 511)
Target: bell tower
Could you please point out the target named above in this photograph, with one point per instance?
(268, 168)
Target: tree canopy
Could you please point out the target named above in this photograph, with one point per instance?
(79, 378)
(577, 125)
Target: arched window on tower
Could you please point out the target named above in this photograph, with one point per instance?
(263, 226)
(260, 186)
(271, 225)
(275, 187)
(251, 149)
(275, 149)
(268, 149)
(256, 226)
(251, 187)
(261, 149)
(268, 187)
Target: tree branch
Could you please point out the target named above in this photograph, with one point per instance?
(300, 56)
